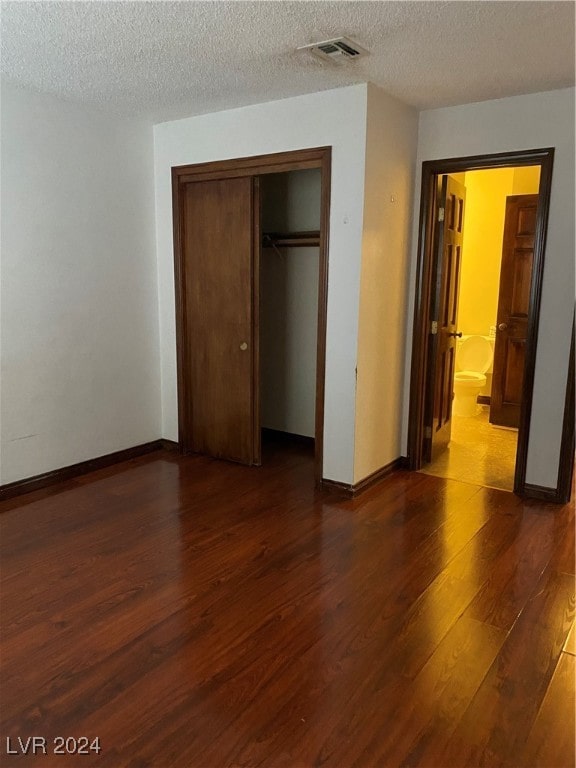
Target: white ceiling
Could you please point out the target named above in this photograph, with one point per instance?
(164, 60)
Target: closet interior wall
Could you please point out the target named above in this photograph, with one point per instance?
(290, 212)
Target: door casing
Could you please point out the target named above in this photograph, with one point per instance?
(253, 167)
(424, 280)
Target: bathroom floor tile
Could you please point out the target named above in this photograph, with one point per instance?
(478, 453)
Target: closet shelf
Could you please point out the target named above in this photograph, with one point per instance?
(290, 239)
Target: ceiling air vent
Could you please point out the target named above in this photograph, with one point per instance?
(338, 50)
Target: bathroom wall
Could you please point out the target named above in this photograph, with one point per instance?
(526, 180)
(486, 193)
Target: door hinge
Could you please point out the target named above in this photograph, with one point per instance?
(434, 327)
(440, 214)
(428, 433)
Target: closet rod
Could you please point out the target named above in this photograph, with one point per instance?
(290, 239)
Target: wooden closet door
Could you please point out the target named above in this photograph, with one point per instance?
(217, 240)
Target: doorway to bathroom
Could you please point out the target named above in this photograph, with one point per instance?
(482, 236)
(491, 219)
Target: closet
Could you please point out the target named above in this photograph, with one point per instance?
(250, 245)
(289, 269)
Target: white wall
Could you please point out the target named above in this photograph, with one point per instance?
(289, 304)
(335, 118)
(521, 122)
(80, 368)
(388, 199)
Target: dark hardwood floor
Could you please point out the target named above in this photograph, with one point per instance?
(197, 614)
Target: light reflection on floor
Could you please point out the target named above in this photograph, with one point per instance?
(479, 453)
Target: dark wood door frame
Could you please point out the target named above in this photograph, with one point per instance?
(568, 445)
(255, 166)
(424, 279)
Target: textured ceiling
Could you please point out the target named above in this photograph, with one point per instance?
(170, 59)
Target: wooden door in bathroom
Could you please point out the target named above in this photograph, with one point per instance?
(447, 257)
(513, 309)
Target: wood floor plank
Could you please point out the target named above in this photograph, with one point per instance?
(570, 644)
(516, 572)
(551, 739)
(198, 614)
(496, 725)
(441, 691)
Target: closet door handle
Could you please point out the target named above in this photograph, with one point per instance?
(243, 346)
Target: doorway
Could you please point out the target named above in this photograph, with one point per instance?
(235, 225)
(435, 332)
(492, 255)
(290, 205)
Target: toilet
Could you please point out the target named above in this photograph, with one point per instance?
(474, 358)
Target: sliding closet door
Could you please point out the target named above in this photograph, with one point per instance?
(217, 238)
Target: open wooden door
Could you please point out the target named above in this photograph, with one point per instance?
(219, 306)
(444, 316)
(513, 309)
